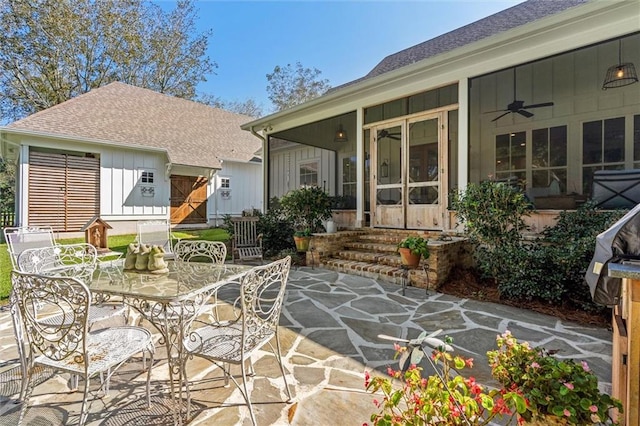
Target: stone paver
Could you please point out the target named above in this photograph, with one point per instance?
(329, 334)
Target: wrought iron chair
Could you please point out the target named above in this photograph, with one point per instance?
(234, 342)
(21, 238)
(68, 345)
(246, 244)
(156, 233)
(200, 251)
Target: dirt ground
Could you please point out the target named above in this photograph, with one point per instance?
(466, 284)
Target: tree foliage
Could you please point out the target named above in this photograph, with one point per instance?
(54, 50)
(7, 185)
(292, 85)
(248, 107)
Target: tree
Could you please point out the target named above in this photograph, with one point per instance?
(52, 51)
(248, 107)
(290, 86)
(7, 185)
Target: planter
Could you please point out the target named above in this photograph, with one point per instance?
(409, 259)
(302, 243)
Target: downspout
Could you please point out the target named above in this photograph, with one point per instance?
(265, 169)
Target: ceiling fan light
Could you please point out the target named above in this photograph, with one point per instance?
(620, 75)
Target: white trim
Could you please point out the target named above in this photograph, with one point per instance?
(463, 134)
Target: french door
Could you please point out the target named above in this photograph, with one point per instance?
(408, 176)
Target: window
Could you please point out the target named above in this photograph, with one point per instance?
(225, 183)
(511, 156)
(147, 177)
(309, 173)
(549, 157)
(424, 101)
(636, 141)
(602, 148)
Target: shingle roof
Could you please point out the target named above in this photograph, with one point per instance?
(505, 20)
(194, 134)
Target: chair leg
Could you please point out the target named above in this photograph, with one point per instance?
(27, 394)
(84, 410)
(151, 353)
(246, 393)
(279, 359)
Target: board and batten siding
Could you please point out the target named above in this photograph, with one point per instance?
(284, 174)
(244, 192)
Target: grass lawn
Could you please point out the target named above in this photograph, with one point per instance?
(116, 243)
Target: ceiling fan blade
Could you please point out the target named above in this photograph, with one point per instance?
(545, 104)
(525, 113)
(500, 116)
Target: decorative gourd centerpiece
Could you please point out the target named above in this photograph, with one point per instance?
(412, 249)
(145, 258)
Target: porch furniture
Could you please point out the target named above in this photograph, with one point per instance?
(68, 345)
(235, 341)
(156, 233)
(21, 238)
(201, 251)
(616, 189)
(246, 244)
(170, 302)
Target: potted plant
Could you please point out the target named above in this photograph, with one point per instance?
(558, 391)
(412, 249)
(306, 208)
(302, 239)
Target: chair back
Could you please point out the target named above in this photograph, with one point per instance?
(156, 233)
(54, 296)
(22, 238)
(69, 260)
(200, 251)
(261, 296)
(245, 232)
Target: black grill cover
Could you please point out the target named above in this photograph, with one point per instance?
(621, 241)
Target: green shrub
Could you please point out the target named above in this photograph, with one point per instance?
(276, 230)
(307, 207)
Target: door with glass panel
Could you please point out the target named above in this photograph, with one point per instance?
(425, 159)
(387, 176)
(408, 173)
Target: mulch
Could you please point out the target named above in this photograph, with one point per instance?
(467, 284)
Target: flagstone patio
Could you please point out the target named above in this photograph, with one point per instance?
(330, 325)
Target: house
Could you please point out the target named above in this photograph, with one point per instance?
(517, 96)
(127, 154)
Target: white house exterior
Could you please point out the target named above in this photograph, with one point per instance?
(425, 120)
(129, 154)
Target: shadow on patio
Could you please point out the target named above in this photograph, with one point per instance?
(329, 337)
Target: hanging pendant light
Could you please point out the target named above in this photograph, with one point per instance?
(341, 135)
(620, 75)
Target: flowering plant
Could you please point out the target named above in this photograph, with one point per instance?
(553, 387)
(444, 398)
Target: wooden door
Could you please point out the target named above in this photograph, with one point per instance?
(188, 199)
(388, 190)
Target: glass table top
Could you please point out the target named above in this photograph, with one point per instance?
(184, 279)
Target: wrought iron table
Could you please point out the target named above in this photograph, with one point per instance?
(169, 301)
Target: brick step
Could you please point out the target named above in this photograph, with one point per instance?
(371, 247)
(381, 238)
(417, 278)
(370, 257)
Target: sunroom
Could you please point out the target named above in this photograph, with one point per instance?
(530, 104)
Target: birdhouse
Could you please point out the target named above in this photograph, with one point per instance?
(95, 233)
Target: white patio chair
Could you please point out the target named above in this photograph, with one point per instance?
(200, 251)
(234, 342)
(156, 233)
(68, 345)
(21, 238)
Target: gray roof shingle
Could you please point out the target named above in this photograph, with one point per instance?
(193, 134)
(518, 15)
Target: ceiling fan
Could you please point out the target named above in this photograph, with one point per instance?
(384, 133)
(519, 106)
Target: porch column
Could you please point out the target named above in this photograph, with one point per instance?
(463, 133)
(360, 169)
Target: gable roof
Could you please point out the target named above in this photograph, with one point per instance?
(518, 15)
(192, 133)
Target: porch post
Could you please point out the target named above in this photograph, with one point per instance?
(360, 169)
(463, 133)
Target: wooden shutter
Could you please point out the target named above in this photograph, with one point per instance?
(64, 190)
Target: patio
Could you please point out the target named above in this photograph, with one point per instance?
(330, 323)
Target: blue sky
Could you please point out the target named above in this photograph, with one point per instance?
(343, 39)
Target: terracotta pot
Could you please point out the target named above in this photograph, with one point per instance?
(302, 243)
(409, 259)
